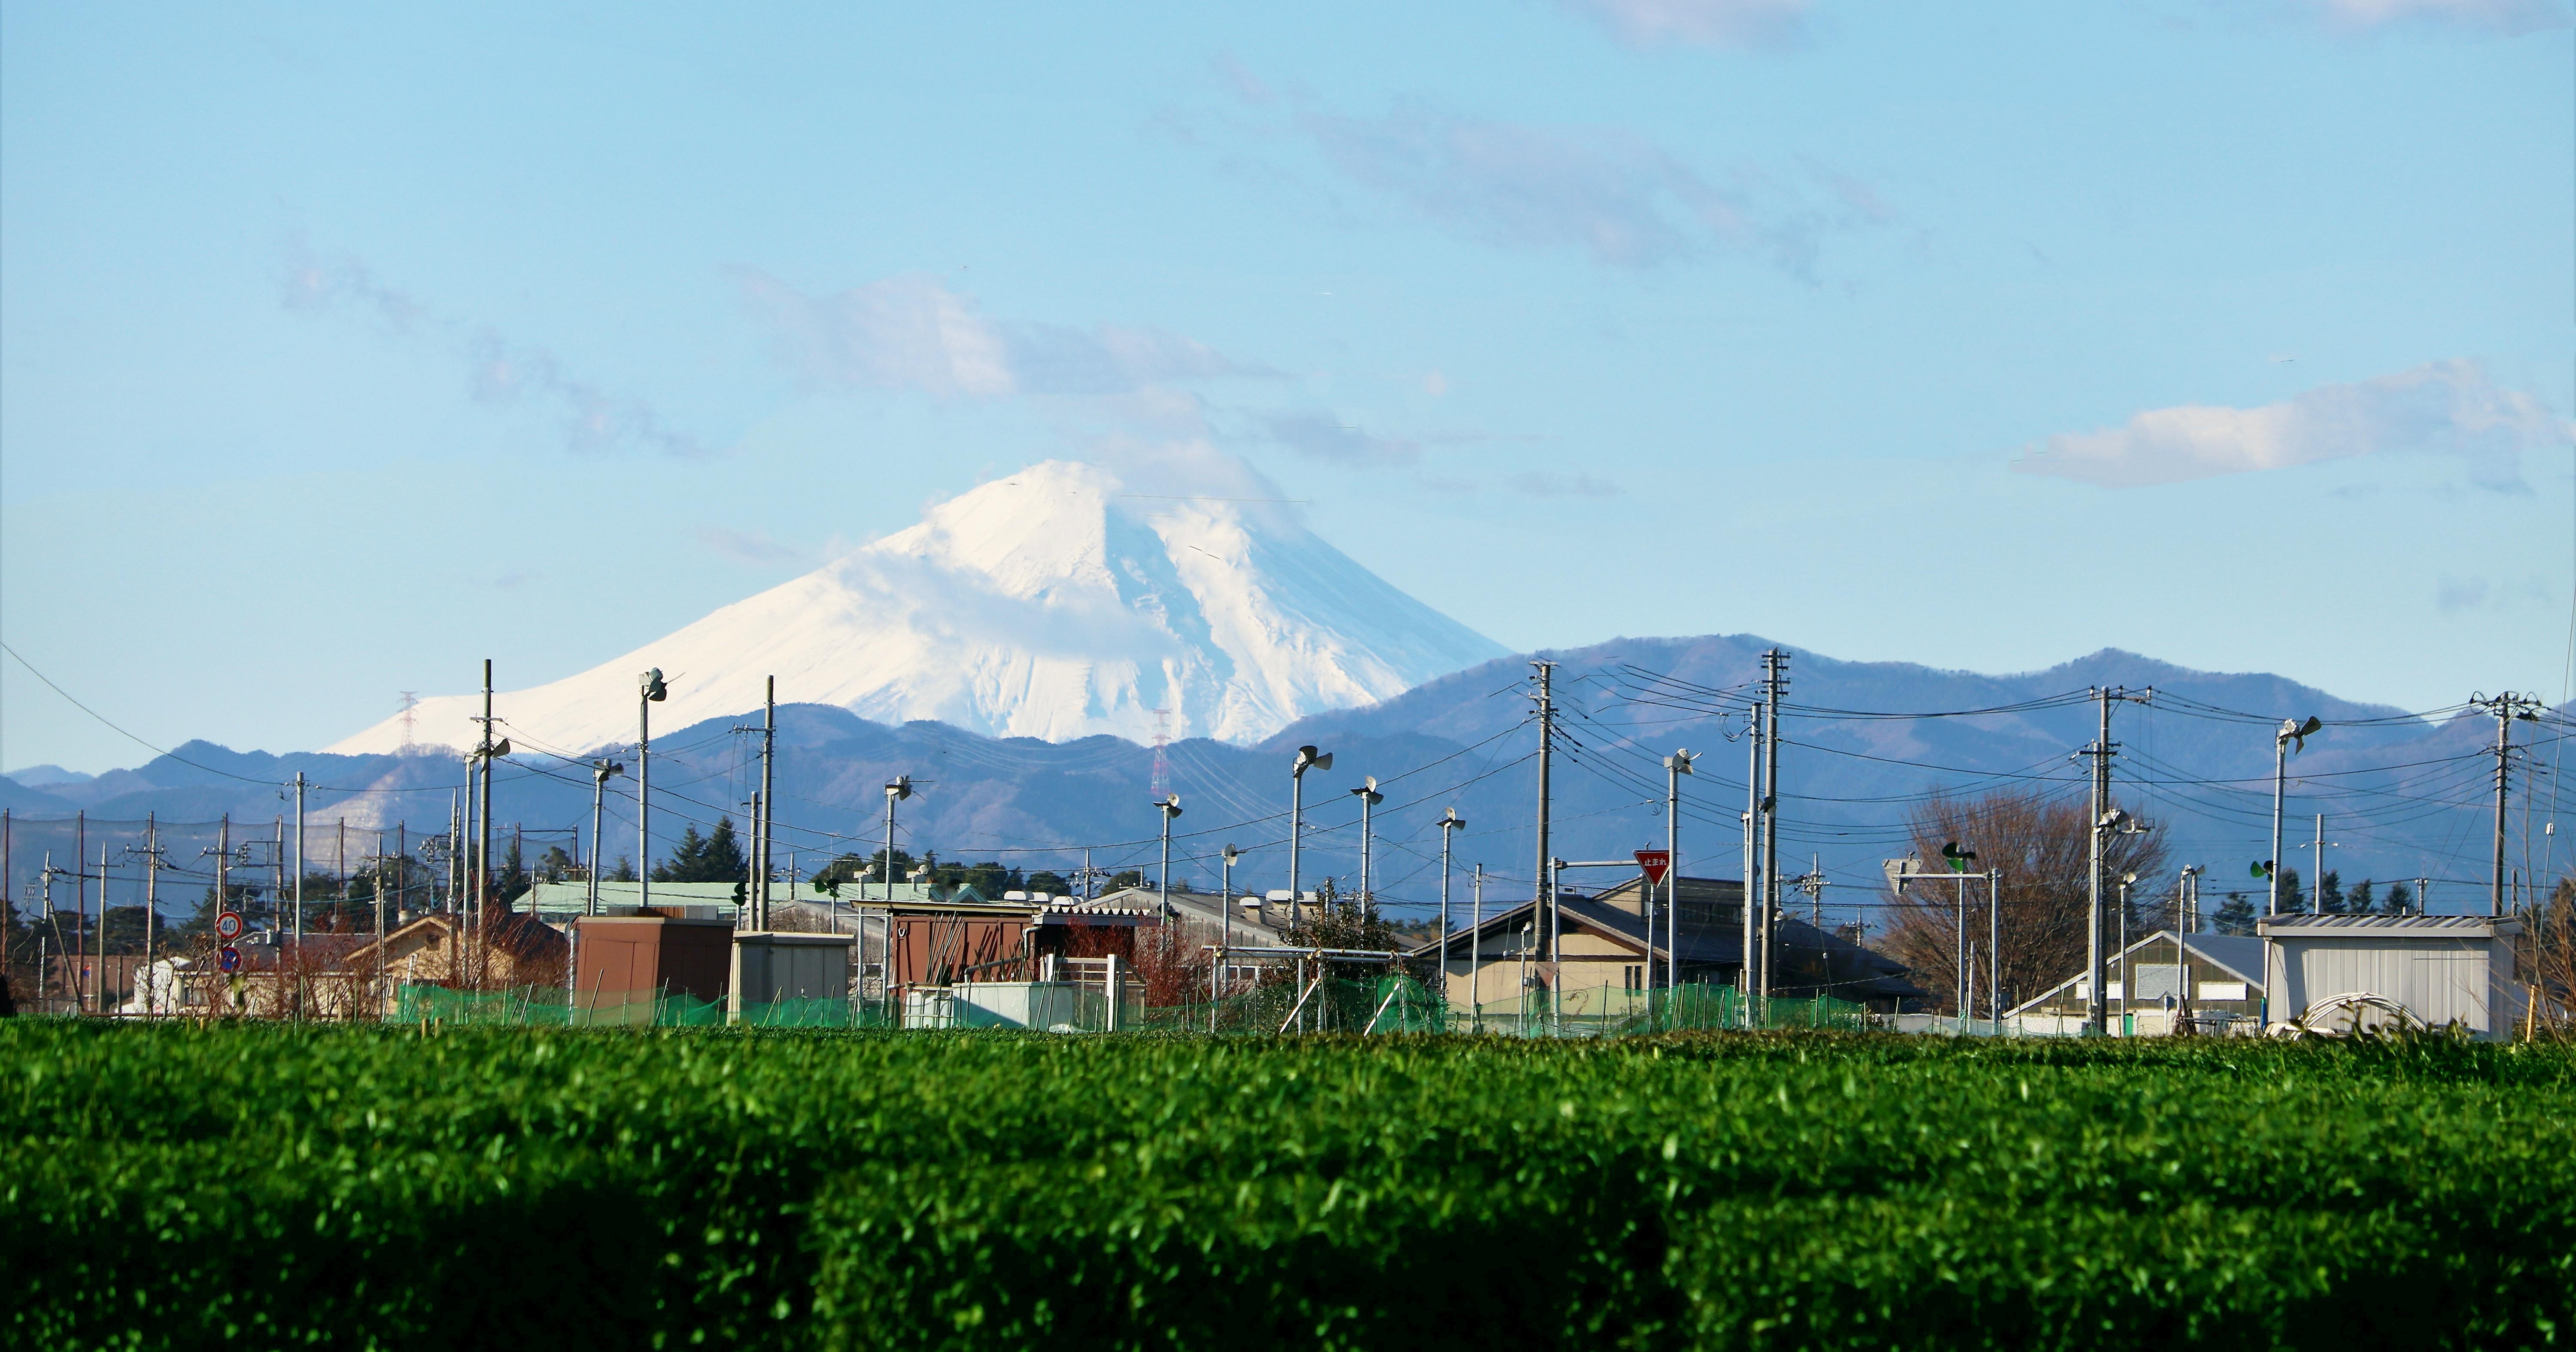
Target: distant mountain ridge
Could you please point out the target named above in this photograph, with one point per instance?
(1051, 604)
(1462, 741)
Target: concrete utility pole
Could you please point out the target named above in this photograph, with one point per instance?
(1476, 947)
(1775, 683)
(768, 804)
(2504, 708)
(2317, 884)
(1676, 765)
(1749, 891)
(2105, 819)
(299, 863)
(151, 884)
(483, 842)
(1450, 821)
(1543, 875)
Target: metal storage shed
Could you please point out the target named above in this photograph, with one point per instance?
(2442, 969)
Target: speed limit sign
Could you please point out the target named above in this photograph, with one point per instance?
(228, 926)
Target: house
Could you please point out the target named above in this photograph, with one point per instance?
(517, 949)
(2334, 972)
(1606, 962)
(2156, 984)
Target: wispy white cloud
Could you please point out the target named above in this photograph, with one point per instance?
(1542, 484)
(914, 333)
(750, 546)
(2444, 406)
(1321, 436)
(1605, 191)
(500, 371)
(2507, 18)
(1703, 23)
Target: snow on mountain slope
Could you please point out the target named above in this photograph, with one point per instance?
(1042, 605)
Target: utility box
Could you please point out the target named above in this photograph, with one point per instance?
(2325, 970)
(770, 966)
(623, 963)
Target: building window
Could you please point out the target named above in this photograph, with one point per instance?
(1635, 976)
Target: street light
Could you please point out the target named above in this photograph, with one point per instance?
(2292, 736)
(600, 771)
(896, 790)
(652, 691)
(1170, 807)
(1675, 766)
(1225, 922)
(1369, 797)
(1308, 758)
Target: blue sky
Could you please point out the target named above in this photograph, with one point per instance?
(339, 349)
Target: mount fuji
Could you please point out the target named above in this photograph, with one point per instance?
(1048, 604)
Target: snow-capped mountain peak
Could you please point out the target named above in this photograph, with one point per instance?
(1044, 604)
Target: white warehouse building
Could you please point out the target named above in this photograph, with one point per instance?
(2334, 972)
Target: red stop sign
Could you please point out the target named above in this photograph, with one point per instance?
(1656, 864)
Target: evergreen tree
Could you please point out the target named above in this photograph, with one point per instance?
(1053, 884)
(2401, 900)
(2329, 897)
(2360, 900)
(2294, 897)
(715, 857)
(2235, 915)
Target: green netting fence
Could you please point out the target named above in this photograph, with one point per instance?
(1379, 1003)
(550, 1007)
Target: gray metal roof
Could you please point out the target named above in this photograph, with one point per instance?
(2240, 954)
(2390, 926)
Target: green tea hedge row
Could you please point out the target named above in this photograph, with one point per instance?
(170, 1186)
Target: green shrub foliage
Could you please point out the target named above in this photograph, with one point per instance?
(267, 1186)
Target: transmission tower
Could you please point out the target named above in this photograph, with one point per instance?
(410, 701)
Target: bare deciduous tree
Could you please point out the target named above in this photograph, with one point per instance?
(2039, 841)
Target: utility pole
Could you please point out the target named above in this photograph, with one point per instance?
(1476, 947)
(1750, 891)
(2104, 819)
(2317, 884)
(1543, 875)
(1676, 765)
(768, 805)
(223, 879)
(483, 848)
(299, 865)
(2504, 708)
(151, 886)
(1775, 681)
(1450, 821)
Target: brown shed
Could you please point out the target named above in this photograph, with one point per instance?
(623, 961)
